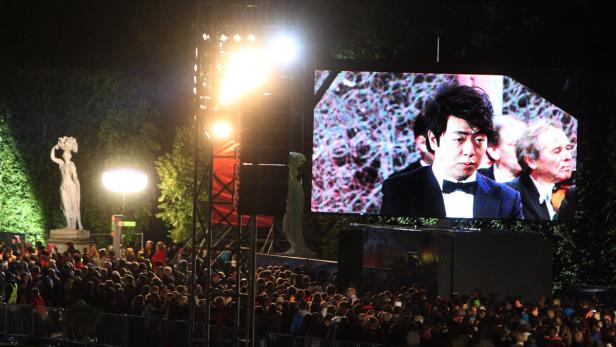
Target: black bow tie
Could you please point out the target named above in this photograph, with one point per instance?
(467, 187)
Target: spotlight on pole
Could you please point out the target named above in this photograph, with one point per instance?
(221, 129)
(283, 49)
(246, 69)
(125, 180)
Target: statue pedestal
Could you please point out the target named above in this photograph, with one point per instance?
(59, 237)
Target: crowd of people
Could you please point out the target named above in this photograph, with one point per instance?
(291, 301)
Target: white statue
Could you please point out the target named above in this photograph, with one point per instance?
(294, 214)
(69, 189)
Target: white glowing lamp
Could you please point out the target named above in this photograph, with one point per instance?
(221, 129)
(245, 70)
(283, 49)
(125, 181)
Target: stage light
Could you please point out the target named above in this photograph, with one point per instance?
(283, 49)
(252, 38)
(237, 38)
(125, 180)
(221, 129)
(245, 69)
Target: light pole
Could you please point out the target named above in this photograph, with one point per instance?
(124, 181)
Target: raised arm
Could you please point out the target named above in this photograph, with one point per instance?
(52, 155)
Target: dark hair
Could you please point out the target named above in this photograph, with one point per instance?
(452, 99)
(419, 126)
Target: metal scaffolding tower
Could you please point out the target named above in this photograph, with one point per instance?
(217, 227)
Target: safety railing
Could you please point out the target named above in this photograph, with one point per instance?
(283, 340)
(58, 326)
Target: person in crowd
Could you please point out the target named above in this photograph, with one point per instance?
(148, 249)
(36, 300)
(459, 121)
(10, 288)
(94, 255)
(160, 257)
(501, 149)
(544, 153)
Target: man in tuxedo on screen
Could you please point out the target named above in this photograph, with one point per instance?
(459, 121)
(544, 154)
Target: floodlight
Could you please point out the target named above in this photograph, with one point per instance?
(245, 69)
(283, 49)
(125, 180)
(221, 129)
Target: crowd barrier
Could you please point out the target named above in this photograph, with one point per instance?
(59, 327)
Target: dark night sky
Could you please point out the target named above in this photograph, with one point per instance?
(150, 39)
(154, 38)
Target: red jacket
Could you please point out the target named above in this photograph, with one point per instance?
(159, 257)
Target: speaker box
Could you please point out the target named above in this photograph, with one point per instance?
(262, 189)
(264, 130)
(374, 257)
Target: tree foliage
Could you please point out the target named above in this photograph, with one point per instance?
(114, 120)
(19, 208)
(175, 171)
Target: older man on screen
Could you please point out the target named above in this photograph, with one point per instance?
(544, 154)
(459, 121)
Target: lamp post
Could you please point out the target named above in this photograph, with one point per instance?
(124, 181)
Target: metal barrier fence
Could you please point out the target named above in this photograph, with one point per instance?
(282, 340)
(57, 327)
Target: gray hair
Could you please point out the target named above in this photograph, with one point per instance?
(528, 145)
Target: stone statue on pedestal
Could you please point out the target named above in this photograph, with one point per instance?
(69, 189)
(294, 214)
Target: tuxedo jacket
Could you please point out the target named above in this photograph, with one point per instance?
(488, 172)
(530, 198)
(418, 194)
(566, 212)
(412, 167)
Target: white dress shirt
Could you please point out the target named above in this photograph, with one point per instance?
(545, 195)
(458, 204)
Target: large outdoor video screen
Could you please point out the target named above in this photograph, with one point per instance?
(369, 127)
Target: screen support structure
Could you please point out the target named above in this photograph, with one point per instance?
(318, 95)
(214, 231)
